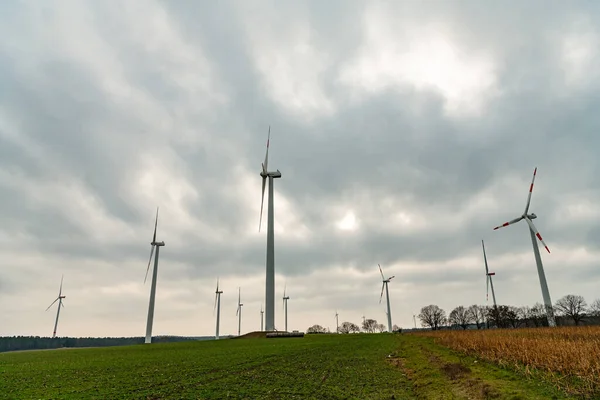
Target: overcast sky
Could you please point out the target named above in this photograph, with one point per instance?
(404, 132)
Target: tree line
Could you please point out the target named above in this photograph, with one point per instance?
(13, 343)
(569, 310)
(369, 325)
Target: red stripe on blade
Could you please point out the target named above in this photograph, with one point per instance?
(531, 188)
(539, 236)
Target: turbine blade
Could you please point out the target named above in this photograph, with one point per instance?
(215, 306)
(237, 310)
(52, 304)
(239, 295)
(266, 163)
(514, 221)
(381, 295)
(284, 288)
(530, 191)
(537, 234)
(217, 284)
(61, 283)
(487, 289)
(484, 258)
(61, 303)
(155, 226)
(381, 272)
(262, 200)
(150, 260)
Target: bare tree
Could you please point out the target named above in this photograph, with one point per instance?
(460, 316)
(316, 329)
(369, 325)
(432, 316)
(572, 306)
(514, 316)
(380, 328)
(396, 328)
(349, 327)
(478, 314)
(537, 315)
(595, 308)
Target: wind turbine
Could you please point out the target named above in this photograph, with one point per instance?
(158, 245)
(270, 278)
(488, 278)
(218, 307)
(60, 304)
(337, 323)
(261, 317)
(536, 251)
(415, 320)
(387, 295)
(285, 302)
(239, 310)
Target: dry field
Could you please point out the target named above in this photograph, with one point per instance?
(566, 357)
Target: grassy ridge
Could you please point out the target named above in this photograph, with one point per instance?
(365, 366)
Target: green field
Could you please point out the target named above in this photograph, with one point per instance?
(358, 366)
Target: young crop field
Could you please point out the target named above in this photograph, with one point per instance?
(566, 357)
(355, 366)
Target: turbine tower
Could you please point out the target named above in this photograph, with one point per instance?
(488, 279)
(261, 318)
(285, 303)
(60, 304)
(158, 245)
(536, 252)
(239, 311)
(270, 277)
(337, 323)
(387, 295)
(218, 307)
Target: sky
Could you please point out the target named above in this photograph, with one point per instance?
(404, 133)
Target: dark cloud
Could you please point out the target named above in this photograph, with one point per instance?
(164, 104)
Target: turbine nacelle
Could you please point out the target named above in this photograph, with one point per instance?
(157, 243)
(275, 174)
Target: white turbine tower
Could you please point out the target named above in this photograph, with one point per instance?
(218, 307)
(158, 245)
(239, 311)
(270, 276)
(285, 310)
(536, 251)
(337, 323)
(387, 295)
(60, 304)
(488, 278)
(261, 318)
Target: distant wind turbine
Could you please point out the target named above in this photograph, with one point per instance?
(270, 276)
(387, 295)
(337, 323)
(285, 308)
(261, 317)
(158, 245)
(239, 311)
(536, 252)
(218, 307)
(488, 278)
(60, 304)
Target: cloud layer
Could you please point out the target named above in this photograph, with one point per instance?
(404, 134)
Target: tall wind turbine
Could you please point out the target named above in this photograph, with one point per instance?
(387, 295)
(488, 278)
(158, 245)
(337, 323)
(262, 312)
(285, 302)
(218, 307)
(60, 304)
(270, 278)
(536, 252)
(239, 311)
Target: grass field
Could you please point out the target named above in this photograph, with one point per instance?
(361, 366)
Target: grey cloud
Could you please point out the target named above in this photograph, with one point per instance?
(371, 149)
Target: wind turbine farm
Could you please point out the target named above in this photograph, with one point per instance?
(407, 133)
